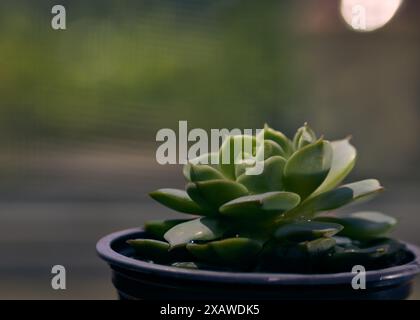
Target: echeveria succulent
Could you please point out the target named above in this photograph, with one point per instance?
(278, 220)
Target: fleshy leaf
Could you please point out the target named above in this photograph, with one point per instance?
(149, 249)
(271, 149)
(271, 179)
(229, 152)
(198, 229)
(157, 228)
(201, 172)
(363, 225)
(266, 221)
(177, 200)
(237, 252)
(375, 254)
(318, 246)
(211, 159)
(308, 230)
(337, 198)
(301, 257)
(304, 136)
(255, 206)
(307, 168)
(214, 193)
(279, 138)
(242, 165)
(343, 242)
(343, 160)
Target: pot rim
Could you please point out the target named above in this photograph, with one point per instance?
(107, 253)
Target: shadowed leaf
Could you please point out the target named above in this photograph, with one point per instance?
(308, 230)
(177, 200)
(271, 179)
(337, 198)
(237, 252)
(214, 193)
(343, 160)
(149, 249)
(362, 225)
(307, 168)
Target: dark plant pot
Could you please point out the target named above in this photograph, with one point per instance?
(135, 279)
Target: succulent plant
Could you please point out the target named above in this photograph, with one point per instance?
(279, 220)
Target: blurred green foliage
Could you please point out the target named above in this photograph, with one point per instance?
(124, 69)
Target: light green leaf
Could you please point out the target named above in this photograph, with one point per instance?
(279, 138)
(214, 193)
(232, 147)
(177, 200)
(363, 225)
(271, 179)
(318, 246)
(256, 206)
(201, 172)
(345, 194)
(337, 198)
(211, 159)
(242, 165)
(237, 252)
(270, 149)
(304, 136)
(343, 160)
(149, 249)
(198, 229)
(307, 230)
(307, 168)
(157, 228)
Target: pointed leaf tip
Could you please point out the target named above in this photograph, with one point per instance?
(343, 160)
(177, 200)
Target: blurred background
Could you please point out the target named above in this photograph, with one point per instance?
(80, 108)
